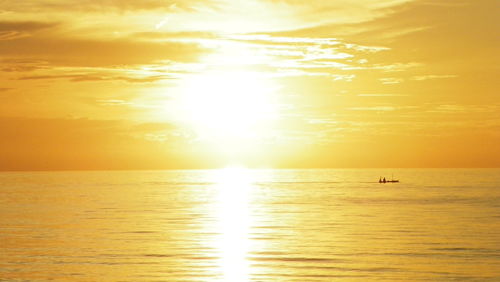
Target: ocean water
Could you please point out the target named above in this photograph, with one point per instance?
(250, 225)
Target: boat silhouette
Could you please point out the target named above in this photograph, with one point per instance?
(380, 180)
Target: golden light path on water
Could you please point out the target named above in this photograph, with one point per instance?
(232, 212)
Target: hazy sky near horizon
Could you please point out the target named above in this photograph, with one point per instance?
(88, 84)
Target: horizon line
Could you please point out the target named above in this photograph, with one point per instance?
(251, 168)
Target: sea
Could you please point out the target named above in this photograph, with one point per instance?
(237, 224)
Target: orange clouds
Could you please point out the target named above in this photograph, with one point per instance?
(97, 84)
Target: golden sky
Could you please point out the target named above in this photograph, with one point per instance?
(87, 84)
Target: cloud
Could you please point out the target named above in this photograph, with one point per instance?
(103, 5)
(306, 43)
(492, 109)
(113, 102)
(395, 67)
(342, 11)
(148, 73)
(427, 77)
(21, 65)
(375, 108)
(25, 26)
(95, 53)
(92, 77)
(450, 109)
(154, 127)
(11, 35)
(344, 77)
(460, 3)
(12, 30)
(371, 49)
(309, 54)
(290, 72)
(381, 95)
(281, 40)
(156, 35)
(391, 80)
(120, 59)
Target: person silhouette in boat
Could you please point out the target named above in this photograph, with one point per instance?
(384, 180)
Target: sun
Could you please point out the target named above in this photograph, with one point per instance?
(229, 106)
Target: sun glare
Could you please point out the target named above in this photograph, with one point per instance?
(232, 212)
(229, 106)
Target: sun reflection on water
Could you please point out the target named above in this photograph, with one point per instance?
(233, 222)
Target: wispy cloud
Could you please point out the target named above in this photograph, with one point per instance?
(370, 49)
(266, 39)
(26, 26)
(173, 36)
(344, 77)
(381, 95)
(374, 108)
(12, 30)
(103, 5)
(22, 65)
(391, 80)
(61, 51)
(113, 102)
(94, 77)
(473, 109)
(394, 33)
(428, 77)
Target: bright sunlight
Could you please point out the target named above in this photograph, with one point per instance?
(224, 106)
(232, 211)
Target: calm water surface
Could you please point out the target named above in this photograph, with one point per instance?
(250, 225)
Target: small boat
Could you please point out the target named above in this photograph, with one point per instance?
(380, 180)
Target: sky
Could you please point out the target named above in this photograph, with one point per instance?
(164, 84)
